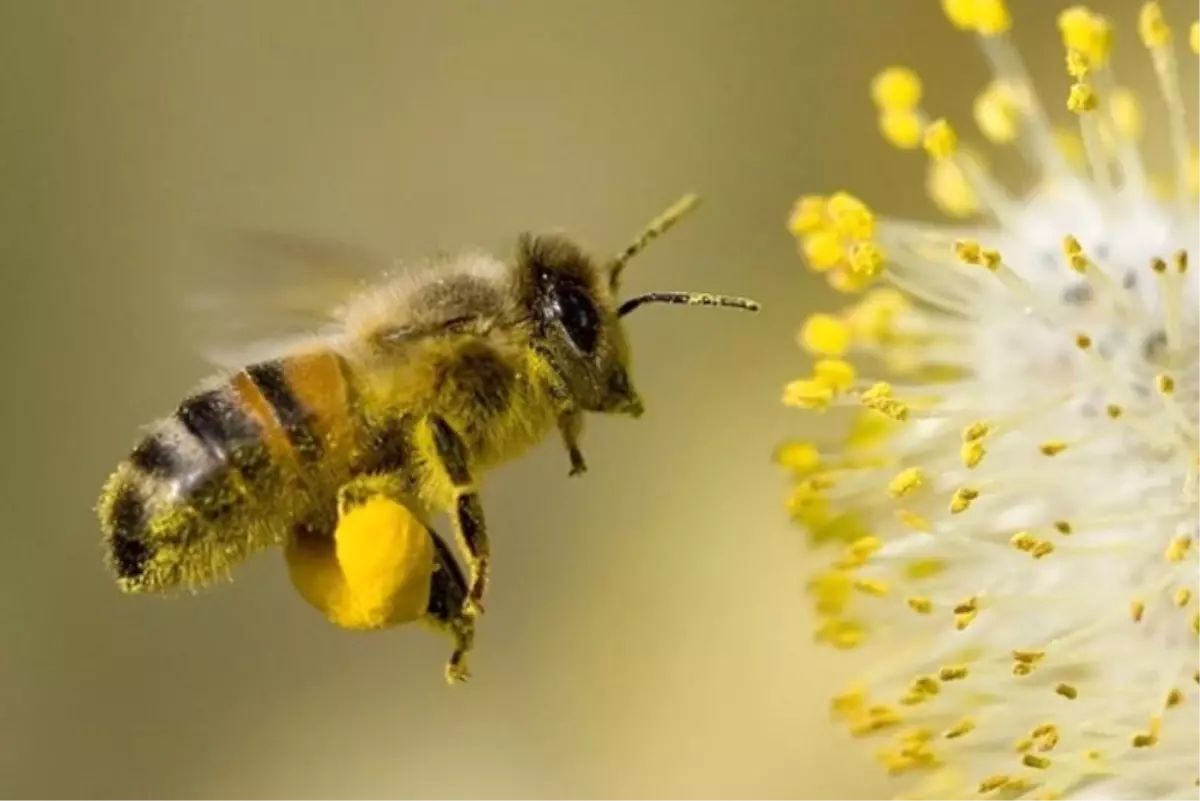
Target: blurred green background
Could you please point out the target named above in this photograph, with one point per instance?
(646, 634)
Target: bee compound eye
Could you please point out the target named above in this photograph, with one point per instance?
(579, 318)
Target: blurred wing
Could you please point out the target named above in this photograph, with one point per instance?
(262, 292)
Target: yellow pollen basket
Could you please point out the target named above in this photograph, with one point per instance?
(375, 573)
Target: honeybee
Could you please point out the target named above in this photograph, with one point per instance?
(341, 444)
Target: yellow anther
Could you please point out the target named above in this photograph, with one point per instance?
(972, 454)
(841, 634)
(826, 335)
(1078, 65)
(800, 457)
(1144, 740)
(1035, 761)
(1137, 609)
(920, 605)
(1023, 745)
(992, 17)
(926, 685)
(949, 188)
(850, 217)
(961, 13)
(1158, 265)
(962, 498)
(1052, 447)
(996, 113)
(837, 374)
(1067, 691)
(874, 587)
(953, 673)
(990, 258)
(913, 521)
(1083, 341)
(963, 727)
(879, 398)
(1044, 730)
(906, 482)
(1082, 98)
(863, 547)
(975, 432)
(1062, 527)
(924, 568)
(867, 258)
(1127, 114)
(1079, 262)
(1152, 27)
(1182, 597)
(964, 619)
(1181, 261)
(1090, 34)
(823, 249)
(1022, 669)
(901, 128)
(805, 394)
(1174, 699)
(1023, 541)
(1113, 411)
(940, 140)
(968, 251)
(969, 605)
(847, 281)
(1028, 657)
(1195, 624)
(1071, 245)
(1194, 37)
(1178, 548)
(896, 88)
(1164, 384)
(993, 783)
(849, 701)
(808, 214)
(1043, 548)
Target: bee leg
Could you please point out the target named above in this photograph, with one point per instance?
(468, 511)
(570, 425)
(447, 594)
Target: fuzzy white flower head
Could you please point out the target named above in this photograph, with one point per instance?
(1015, 513)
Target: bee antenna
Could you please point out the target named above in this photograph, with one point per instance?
(657, 227)
(688, 299)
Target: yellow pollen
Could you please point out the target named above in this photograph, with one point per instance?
(968, 251)
(1023, 541)
(1078, 65)
(1044, 730)
(953, 673)
(1174, 699)
(1090, 34)
(873, 587)
(962, 498)
(1181, 261)
(940, 139)
(866, 258)
(1113, 411)
(1152, 27)
(1023, 745)
(826, 335)
(1195, 624)
(906, 482)
(949, 188)
(963, 727)
(1035, 761)
(800, 457)
(913, 521)
(1145, 740)
(808, 214)
(1067, 691)
(975, 432)
(1028, 657)
(1062, 527)
(1043, 548)
(991, 17)
(1071, 245)
(990, 258)
(896, 88)
(927, 685)
(1194, 37)
(1164, 384)
(992, 783)
(1022, 669)
(863, 547)
(969, 605)
(964, 619)
(850, 216)
(1052, 448)
(1158, 265)
(996, 113)
(900, 128)
(1182, 596)
(1083, 341)
(923, 569)
(823, 249)
(1082, 98)
(920, 605)
(836, 374)
(807, 395)
(972, 454)
(1137, 609)
(1178, 548)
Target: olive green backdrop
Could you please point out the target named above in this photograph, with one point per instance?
(646, 633)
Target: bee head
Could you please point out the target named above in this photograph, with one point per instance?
(572, 300)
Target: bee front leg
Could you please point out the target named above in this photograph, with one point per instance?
(453, 455)
(570, 425)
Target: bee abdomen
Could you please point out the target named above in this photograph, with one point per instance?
(170, 513)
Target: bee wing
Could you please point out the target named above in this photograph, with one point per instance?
(267, 291)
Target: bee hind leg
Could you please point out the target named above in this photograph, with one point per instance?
(447, 596)
(452, 453)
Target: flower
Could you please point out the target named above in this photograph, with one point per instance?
(1012, 514)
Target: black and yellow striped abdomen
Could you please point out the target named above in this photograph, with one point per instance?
(230, 472)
